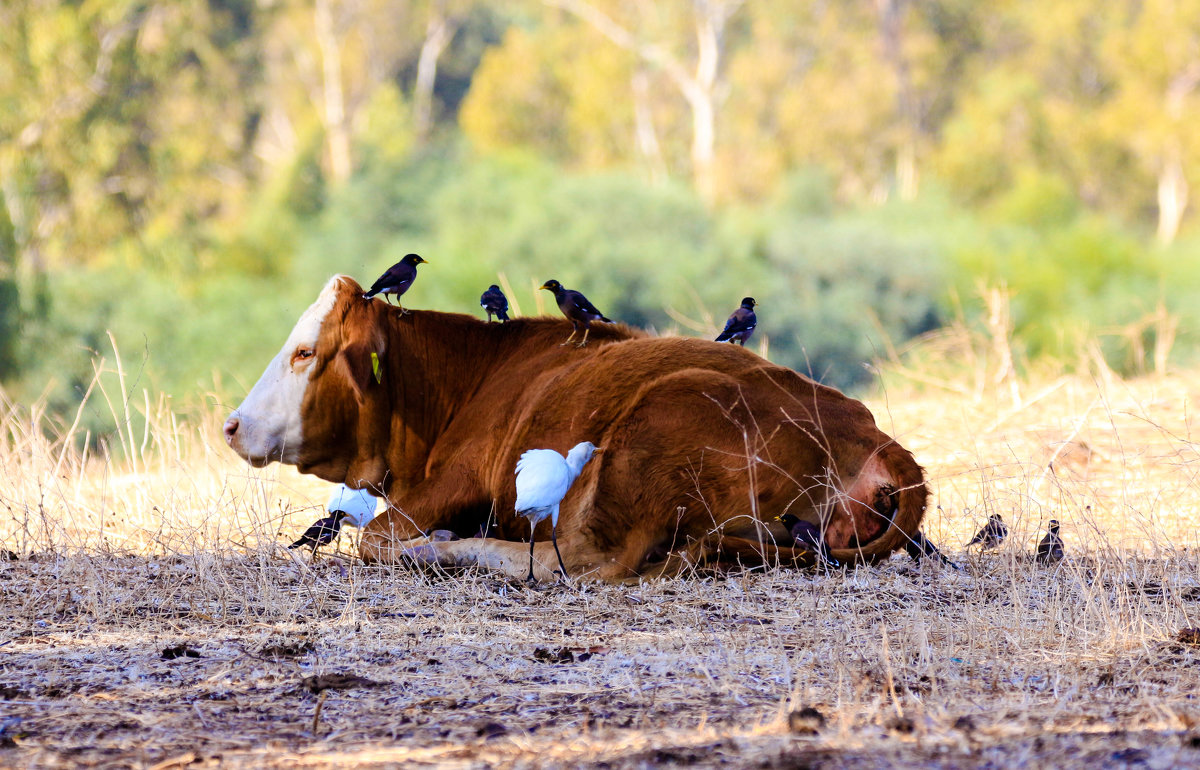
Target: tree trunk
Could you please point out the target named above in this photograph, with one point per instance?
(644, 132)
(698, 89)
(890, 29)
(1172, 195)
(438, 34)
(1172, 183)
(710, 22)
(337, 132)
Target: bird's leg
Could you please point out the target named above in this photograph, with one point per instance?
(568, 339)
(554, 539)
(586, 329)
(531, 580)
(403, 310)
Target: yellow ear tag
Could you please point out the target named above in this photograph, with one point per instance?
(375, 367)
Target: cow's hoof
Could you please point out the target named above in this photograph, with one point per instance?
(442, 536)
(425, 555)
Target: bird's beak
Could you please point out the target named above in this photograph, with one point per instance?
(422, 260)
(544, 286)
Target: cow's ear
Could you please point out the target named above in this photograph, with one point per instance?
(360, 364)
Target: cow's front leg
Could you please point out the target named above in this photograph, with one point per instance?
(505, 556)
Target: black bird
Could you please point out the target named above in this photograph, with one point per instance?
(921, 547)
(991, 534)
(322, 532)
(495, 303)
(808, 535)
(396, 279)
(741, 324)
(1051, 548)
(576, 308)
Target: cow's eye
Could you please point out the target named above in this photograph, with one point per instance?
(302, 353)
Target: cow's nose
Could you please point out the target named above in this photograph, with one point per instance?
(231, 429)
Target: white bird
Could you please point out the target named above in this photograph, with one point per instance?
(543, 478)
(358, 504)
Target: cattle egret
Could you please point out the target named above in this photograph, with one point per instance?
(808, 536)
(1051, 548)
(741, 324)
(495, 303)
(396, 279)
(576, 308)
(921, 547)
(543, 478)
(991, 534)
(322, 532)
(358, 504)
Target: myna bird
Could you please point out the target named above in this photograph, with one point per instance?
(921, 547)
(1051, 548)
(495, 303)
(991, 534)
(808, 535)
(741, 324)
(397, 279)
(575, 307)
(543, 478)
(322, 532)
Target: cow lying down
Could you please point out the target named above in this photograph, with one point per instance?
(703, 445)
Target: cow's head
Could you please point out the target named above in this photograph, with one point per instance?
(305, 409)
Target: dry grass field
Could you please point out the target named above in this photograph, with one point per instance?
(151, 617)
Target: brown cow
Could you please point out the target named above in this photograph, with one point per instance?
(703, 445)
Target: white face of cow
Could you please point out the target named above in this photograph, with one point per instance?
(266, 427)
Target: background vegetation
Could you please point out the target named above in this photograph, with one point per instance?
(187, 174)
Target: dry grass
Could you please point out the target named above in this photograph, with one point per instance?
(1001, 664)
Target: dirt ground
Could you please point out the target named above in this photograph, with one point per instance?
(173, 662)
(159, 624)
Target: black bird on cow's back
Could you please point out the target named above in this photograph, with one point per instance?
(741, 324)
(576, 308)
(921, 547)
(495, 303)
(992, 534)
(322, 532)
(808, 536)
(396, 279)
(1050, 549)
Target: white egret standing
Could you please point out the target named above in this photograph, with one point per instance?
(543, 478)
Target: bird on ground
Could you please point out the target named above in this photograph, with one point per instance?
(808, 535)
(576, 308)
(397, 279)
(741, 324)
(543, 478)
(1051, 548)
(322, 532)
(495, 303)
(921, 547)
(991, 534)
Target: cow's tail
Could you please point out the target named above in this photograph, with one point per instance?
(909, 496)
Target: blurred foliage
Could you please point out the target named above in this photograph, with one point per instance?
(187, 175)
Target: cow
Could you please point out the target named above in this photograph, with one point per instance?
(702, 446)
